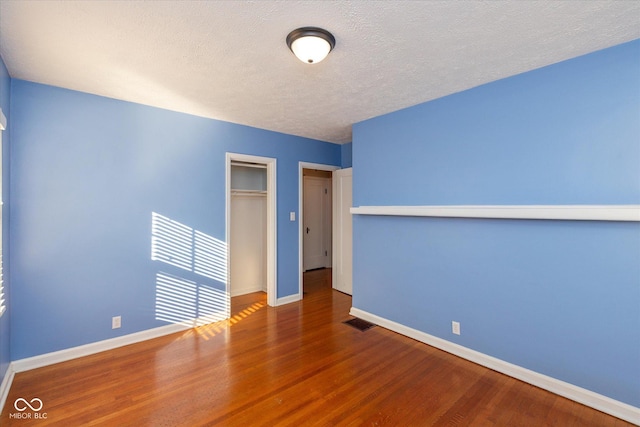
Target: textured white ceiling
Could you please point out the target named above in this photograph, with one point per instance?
(228, 59)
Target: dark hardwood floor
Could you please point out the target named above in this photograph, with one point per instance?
(294, 365)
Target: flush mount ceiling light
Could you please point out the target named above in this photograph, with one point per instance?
(310, 44)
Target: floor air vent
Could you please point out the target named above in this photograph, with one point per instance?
(359, 324)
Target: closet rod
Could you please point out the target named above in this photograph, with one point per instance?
(248, 165)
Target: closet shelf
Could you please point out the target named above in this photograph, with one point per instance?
(548, 212)
(249, 191)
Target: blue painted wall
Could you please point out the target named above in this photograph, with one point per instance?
(561, 298)
(5, 104)
(87, 173)
(347, 155)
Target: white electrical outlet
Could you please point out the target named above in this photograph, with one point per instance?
(116, 322)
(455, 328)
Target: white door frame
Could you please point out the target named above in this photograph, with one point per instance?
(272, 239)
(301, 166)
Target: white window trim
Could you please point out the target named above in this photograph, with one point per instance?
(3, 302)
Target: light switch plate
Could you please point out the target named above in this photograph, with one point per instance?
(455, 328)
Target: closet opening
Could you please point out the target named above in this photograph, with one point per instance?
(251, 226)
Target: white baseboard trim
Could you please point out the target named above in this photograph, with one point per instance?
(46, 359)
(289, 299)
(245, 291)
(6, 385)
(586, 397)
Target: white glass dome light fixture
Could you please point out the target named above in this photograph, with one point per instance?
(310, 44)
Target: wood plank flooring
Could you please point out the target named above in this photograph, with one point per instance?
(294, 365)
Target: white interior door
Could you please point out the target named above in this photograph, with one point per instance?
(315, 252)
(342, 230)
(327, 227)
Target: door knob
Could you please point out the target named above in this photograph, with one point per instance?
(307, 230)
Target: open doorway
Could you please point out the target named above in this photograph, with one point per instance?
(250, 197)
(316, 219)
(315, 223)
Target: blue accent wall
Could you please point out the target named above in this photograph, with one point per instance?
(5, 104)
(347, 156)
(87, 173)
(561, 298)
